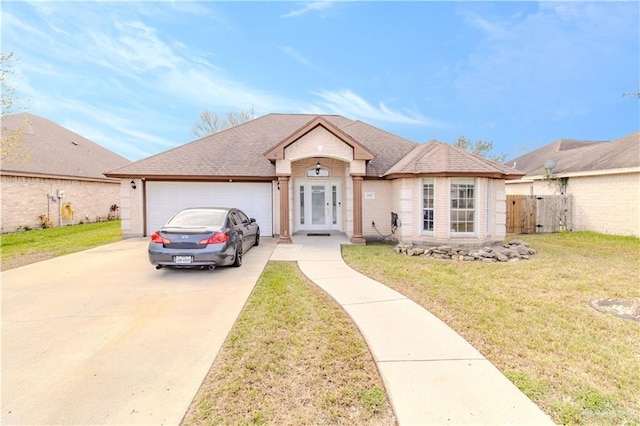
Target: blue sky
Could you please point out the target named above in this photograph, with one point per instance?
(134, 76)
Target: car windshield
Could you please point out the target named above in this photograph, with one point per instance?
(213, 218)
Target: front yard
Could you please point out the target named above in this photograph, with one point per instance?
(25, 247)
(533, 320)
(294, 357)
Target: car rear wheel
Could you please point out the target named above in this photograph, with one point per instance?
(238, 260)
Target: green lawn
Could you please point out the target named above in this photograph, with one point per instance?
(293, 357)
(532, 319)
(24, 247)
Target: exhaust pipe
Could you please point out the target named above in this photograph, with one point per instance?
(211, 267)
(158, 266)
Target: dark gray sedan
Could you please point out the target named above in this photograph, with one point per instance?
(204, 237)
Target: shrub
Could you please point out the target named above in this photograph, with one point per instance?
(45, 222)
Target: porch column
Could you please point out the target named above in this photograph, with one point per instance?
(357, 237)
(285, 237)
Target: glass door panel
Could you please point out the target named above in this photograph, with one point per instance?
(318, 211)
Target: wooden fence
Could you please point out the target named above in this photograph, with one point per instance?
(528, 214)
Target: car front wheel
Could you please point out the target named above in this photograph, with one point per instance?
(257, 242)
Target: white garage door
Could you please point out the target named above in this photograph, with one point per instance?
(164, 199)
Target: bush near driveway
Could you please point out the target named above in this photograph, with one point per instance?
(25, 247)
(533, 320)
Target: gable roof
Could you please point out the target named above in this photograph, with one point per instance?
(50, 150)
(572, 156)
(239, 152)
(440, 159)
(248, 152)
(359, 151)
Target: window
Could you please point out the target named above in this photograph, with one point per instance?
(428, 205)
(242, 217)
(463, 213)
(301, 204)
(334, 203)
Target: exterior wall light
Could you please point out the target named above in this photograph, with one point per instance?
(133, 184)
(318, 168)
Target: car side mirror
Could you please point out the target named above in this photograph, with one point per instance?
(252, 220)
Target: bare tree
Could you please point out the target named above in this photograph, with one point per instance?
(481, 148)
(11, 148)
(211, 122)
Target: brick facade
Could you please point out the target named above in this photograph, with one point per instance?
(24, 199)
(604, 203)
(404, 197)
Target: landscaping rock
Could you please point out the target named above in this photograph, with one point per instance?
(513, 251)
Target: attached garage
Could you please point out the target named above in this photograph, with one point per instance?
(164, 199)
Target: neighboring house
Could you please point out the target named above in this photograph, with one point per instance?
(50, 159)
(300, 173)
(601, 178)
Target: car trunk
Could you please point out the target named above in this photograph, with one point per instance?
(187, 238)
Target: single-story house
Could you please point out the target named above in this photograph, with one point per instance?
(55, 173)
(602, 180)
(298, 173)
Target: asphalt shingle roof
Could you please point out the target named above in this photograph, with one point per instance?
(52, 150)
(238, 152)
(437, 158)
(572, 156)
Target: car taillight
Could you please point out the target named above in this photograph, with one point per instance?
(157, 238)
(217, 238)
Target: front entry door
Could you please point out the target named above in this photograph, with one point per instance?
(319, 206)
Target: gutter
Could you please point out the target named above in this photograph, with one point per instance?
(605, 172)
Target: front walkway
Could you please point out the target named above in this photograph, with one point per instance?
(432, 375)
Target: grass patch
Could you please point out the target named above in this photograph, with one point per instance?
(532, 319)
(292, 357)
(25, 247)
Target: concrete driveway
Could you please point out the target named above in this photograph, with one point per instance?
(101, 337)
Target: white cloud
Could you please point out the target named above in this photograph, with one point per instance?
(317, 5)
(301, 59)
(203, 87)
(347, 103)
(135, 47)
(110, 74)
(15, 28)
(297, 56)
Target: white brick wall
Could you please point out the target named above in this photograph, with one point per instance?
(404, 196)
(26, 198)
(608, 204)
(321, 142)
(376, 207)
